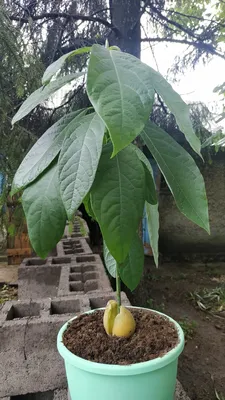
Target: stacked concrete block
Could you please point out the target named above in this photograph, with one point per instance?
(30, 362)
(38, 278)
(71, 246)
(69, 282)
(50, 292)
(85, 274)
(62, 276)
(62, 394)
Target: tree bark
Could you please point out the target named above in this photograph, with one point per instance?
(125, 16)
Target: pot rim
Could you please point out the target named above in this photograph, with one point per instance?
(114, 369)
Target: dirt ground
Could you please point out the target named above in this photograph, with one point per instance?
(167, 289)
(8, 273)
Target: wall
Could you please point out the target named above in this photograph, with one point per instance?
(177, 234)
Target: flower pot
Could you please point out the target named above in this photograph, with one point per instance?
(150, 380)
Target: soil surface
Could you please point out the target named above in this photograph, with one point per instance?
(154, 336)
(168, 289)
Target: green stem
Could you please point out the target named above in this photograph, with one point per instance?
(118, 287)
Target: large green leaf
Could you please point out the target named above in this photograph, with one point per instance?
(79, 159)
(58, 64)
(131, 269)
(43, 93)
(181, 173)
(121, 92)
(43, 152)
(45, 213)
(177, 106)
(110, 261)
(152, 214)
(150, 189)
(118, 199)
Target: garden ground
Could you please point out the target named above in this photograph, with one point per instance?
(182, 291)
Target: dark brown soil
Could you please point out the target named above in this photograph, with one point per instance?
(167, 289)
(154, 336)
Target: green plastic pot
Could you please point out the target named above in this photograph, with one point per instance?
(150, 380)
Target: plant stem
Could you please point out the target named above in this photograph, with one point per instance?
(118, 287)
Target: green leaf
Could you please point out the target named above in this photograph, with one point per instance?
(178, 108)
(11, 230)
(152, 214)
(45, 213)
(181, 173)
(43, 152)
(88, 206)
(121, 92)
(110, 261)
(43, 93)
(131, 269)
(118, 199)
(58, 64)
(150, 188)
(79, 159)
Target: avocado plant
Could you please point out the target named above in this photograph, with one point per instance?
(89, 156)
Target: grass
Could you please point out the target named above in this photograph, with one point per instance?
(82, 226)
(212, 272)
(219, 396)
(179, 276)
(210, 300)
(154, 277)
(189, 328)
(7, 293)
(70, 228)
(154, 306)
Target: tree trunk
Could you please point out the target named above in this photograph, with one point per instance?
(125, 15)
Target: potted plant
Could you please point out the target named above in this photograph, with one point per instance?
(89, 157)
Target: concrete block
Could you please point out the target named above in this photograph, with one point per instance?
(180, 393)
(60, 260)
(99, 300)
(41, 278)
(38, 281)
(85, 274)
(63, 394)
(31, 368)
(71, 246)
(30, 362)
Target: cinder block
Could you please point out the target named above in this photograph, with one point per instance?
(60, 260)
(30, 362)
(27, 262)
(23, 310)
(31, 368)
(180, 392)
(99, 300)
(73, 246)
(38, 281)
(63, 394)
(86, 274)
